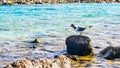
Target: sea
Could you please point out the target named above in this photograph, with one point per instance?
(21, 24)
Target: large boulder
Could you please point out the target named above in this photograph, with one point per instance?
(79, 45)
(111, 52)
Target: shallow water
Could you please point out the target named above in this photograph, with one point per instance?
(20, 24)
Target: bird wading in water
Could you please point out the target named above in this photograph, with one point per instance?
(79, 30)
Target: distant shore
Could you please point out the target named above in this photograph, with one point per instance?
(10, 2)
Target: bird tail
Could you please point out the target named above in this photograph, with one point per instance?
(89, 26)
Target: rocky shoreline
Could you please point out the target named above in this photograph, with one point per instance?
(57, 62)
(79, 54)
(10, 2)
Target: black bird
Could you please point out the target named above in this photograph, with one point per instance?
(79, 29)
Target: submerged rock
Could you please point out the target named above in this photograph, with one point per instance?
(36, 41)
(34, 46)
(79, 45)
(57, 62)
(111, 52)
(97, 47)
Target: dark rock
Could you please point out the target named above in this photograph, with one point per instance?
(73, 57)
(20, 2)
(88, 65)
(104, 51)
(79, 45)
(81, 61)
(38, 3)
(34, 46)
(111, 52)
(97, 47)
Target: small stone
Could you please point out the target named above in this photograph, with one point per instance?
(36, 41)
(113, 37)
(97, 47)
(87, 65)
(34, 46)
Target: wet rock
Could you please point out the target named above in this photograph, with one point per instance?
(57, 62)
(111, 52)
(38, 3)
(97, 47)
(81, 58)
(79, 45)
(23, 63)
(64, 62)
(6, 4)
(41, 63)
(19, 2)
(34, 46)
(59, 1)
(36, 41)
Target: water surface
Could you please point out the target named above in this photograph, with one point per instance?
(22, 23)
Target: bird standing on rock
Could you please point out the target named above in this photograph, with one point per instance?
(79, 29)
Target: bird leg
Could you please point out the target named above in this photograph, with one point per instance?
(81, 33)
(78, 33)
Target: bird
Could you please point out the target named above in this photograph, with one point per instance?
(79, 30)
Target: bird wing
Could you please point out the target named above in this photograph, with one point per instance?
(80, 29)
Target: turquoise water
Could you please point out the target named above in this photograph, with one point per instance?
(29, 21)
(50, 23)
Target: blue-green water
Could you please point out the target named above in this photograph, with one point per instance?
(49, 23)
(23, 21)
